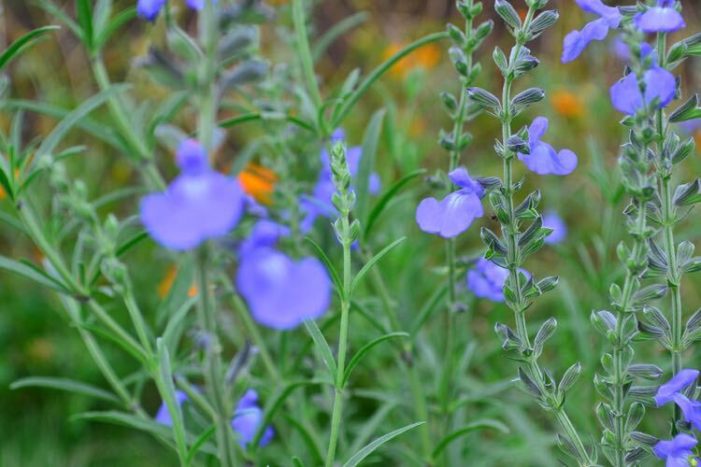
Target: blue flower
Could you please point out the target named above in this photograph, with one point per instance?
(542, 158)
(320, 202)
(163, 415)
(198, 205)
(486, 280)
(597, 30)
(265, 233)
(627, 97)
(552, 220)
(660, 18)
(247, 418)
(454, 214)
(676, 451)
(281, 293)
(690, 408)
(149, 9)
(680, 381)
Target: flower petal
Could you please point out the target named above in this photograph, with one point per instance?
(450, 216)
(660, 19)
(576, 41)
(675, 385)
(626, 96)
(660, 84)
(149, 9)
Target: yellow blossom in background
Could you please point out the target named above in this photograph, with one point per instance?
(40, 349)
(567, 104)
(426, 57)
(259, 182)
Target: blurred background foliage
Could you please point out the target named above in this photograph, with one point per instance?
(35, 339)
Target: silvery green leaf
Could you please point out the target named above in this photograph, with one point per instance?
(642, 394)
(528, 384)
(459, 60)
(484, 98)
(692, 330)
(635, 455)
(533, 231)
(603, 321)
(235, 41)
(649, 293)
(507, 13)
(683, 151)
(547, 284)
(547, 329)
(500, 60)
(244, 73)
(687, 111)
(570, 378)
(604, 413)
(526, 98)
(644, 438)
(542, 22)
(688, 194)
(692, 265)
(567, 446)
(481, 33)
(510, 341)
(456, 35)
(492, 241)
(684, 252)
(449, 101)
(645, 371)
(635, 416)
(656, 257)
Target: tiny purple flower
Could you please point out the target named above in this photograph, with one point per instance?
(661, 18)
(150, 9)
(247, 418)
(552, 220)
(486, 280)
(676, 451)
(198, 205)
(660, 84)
(163, 414)
(282, 293)
(597, 30)
(683, 379)
(453, 214)
(542, 158)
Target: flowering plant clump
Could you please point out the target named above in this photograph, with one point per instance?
(271, 248)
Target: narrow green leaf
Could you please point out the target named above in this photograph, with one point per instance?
(364, 351)
(373, 261)
(70, 120)
(126, 419)
(167, 389)
(33, 273)
(64, 384)
(329, 265)
(381, 70)
(312, 444)
(386, 197)
(429, 307)
(23, 43)
(370, 448)
(322, 347)
(120, 19)
(199, 442)
(297, 462)
(336, 31)
(371, 139)
(478, 425)
(84, 13)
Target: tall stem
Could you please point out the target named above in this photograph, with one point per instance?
(342, 344)
(213, 374)
(512, 232)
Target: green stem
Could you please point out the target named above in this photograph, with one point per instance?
(137, 319)
(209, 37)
(304, 52)
(342, 343)
(212, 365)
(512, 232)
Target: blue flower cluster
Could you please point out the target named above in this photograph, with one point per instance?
(677, 451)
(150, 9)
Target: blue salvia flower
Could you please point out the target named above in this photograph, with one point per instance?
(265, 233)
(542, 157)
(627, 97)
(671, 391)
(320, 202)
(198, 205)
(163, 415)
(677, 451)
(551, 220)
(666, 392)
(247, 418)
(661, 18)
(597, 30)
(454, 214)
(486, 280)
(281, 292)
(150, 9)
